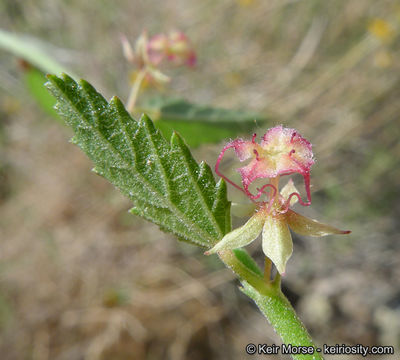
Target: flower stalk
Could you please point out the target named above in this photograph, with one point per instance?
(281, 152)
(130, 104)
(273, 304)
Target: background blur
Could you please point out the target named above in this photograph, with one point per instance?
(80, 278)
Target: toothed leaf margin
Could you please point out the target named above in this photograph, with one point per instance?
(165, 183)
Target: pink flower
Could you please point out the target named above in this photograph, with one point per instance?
(157, 48)
(180, 49)
(175, 47)
(149, 54)
(282, 151)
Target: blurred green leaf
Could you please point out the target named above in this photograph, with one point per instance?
(32, 50)
(199, 124)
(34, 81)
(163, 180)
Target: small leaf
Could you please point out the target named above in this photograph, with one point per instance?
(305, 226)
(199, 124)
(163, 180)
(277, 242)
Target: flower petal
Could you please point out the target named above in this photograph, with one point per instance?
(127, 49)
(254, 170)
(306, 226)
(277, 242)
(241, 236)
(244, 149)
(288, 189)
(288, 150)
(156, 48)
(180, 49)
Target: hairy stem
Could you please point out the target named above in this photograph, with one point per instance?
(273, 304)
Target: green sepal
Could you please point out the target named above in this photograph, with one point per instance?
(277, 241)
(241, 236)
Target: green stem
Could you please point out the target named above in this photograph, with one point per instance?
(230, 260)
(273, 304)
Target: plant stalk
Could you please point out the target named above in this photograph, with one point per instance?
(130, 105)
(274, 305)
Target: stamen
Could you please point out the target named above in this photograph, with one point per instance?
(292, 152)
(257, 155)
(293, 136)
(253, 139)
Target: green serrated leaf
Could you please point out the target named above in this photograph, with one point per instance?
(199, 124)
(163, 180)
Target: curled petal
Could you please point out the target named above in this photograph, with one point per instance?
(306, 226)
(282, 151)
(241, 236)
(254, 170)
(289, 189)
(244, 149)
(277, 242)
(233, 144)
(298, 196)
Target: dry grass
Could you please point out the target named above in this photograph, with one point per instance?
(82, 279)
